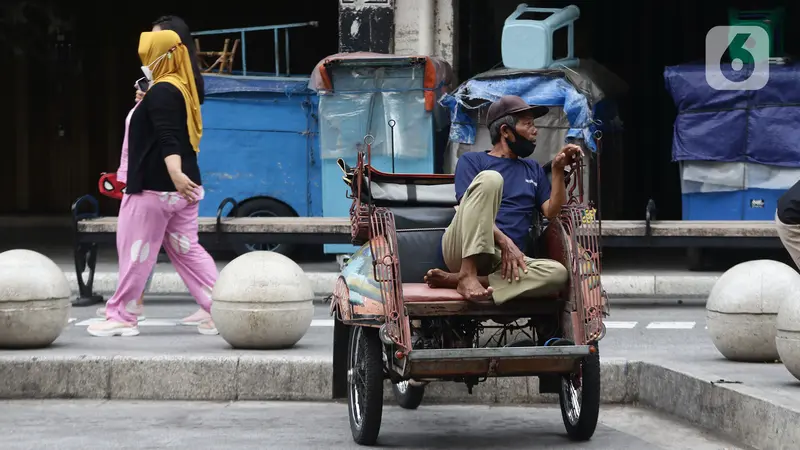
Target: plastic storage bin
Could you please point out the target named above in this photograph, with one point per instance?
(733, 191)
(747, 204)
(528, 44)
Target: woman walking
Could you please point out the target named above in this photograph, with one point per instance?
(164, 186)
(179, 26)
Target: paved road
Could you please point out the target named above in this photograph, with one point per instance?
(666, 328)
(88, 425)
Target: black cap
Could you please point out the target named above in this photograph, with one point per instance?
(512, 104)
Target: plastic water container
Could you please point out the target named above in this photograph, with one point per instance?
(528, 44)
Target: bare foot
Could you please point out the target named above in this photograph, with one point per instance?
(471, 289)
(438, 278)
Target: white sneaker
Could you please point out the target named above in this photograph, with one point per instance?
(110, 328)
(132, 308)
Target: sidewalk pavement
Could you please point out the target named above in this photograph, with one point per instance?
(622, 284)
(756, 404)
(628, 279)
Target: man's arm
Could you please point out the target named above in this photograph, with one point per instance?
(558, 189)
(499, 237)
(558, 196)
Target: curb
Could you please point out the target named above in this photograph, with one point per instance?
(246, 377)
(621, 286)
(173, 377)
(733, 410)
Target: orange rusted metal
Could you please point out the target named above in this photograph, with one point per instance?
(383, 244)
(582, 227)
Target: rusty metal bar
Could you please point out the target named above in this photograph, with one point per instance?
(567, 351)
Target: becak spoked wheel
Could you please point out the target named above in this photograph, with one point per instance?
(365, 384)
(579, 398)
(408, 396)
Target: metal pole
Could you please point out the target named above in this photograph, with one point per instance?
(286, 37)
(275, 29)
(244, 53)
(277, 53)
(271, 27)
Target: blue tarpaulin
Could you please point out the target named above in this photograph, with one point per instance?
(756, 126)
(226, 84)
(548, 88)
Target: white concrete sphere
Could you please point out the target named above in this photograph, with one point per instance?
(35, 300)
(262, 300)
(742, 309)
(788, 336)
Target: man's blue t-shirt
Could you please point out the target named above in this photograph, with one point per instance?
(525, 188)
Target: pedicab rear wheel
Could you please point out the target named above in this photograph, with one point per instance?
(365, 384)
(407, 395)
(579, 398)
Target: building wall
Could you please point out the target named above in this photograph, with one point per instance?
(406, 28)
(392, 26)
(366, 26)
(69, 85)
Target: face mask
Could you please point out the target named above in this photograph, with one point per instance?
(521, 146)
(148, 72)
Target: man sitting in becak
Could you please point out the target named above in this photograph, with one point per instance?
(497, 191)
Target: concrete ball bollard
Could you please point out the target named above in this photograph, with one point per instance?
(35, 300)
(788, 336)
(262, 300)
(742, 309)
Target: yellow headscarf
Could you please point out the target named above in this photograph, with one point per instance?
(170, 62)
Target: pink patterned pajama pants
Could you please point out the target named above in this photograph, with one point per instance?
(147, 220)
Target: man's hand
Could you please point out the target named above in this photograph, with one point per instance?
(566, 156)
(513, 260)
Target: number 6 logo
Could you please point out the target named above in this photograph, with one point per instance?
(747, 39)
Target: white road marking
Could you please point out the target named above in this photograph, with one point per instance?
(88, 322)
(670, 325)
(327, 323)
(159, 323)
(174, 322)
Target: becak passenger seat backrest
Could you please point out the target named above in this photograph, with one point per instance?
(419, 250)
(416, 200)
(423, 206)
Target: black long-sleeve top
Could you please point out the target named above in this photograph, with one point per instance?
(158, 129)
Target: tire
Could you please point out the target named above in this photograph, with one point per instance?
(264, 207)
(407, 395)
(582, 422)
(365, 385)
